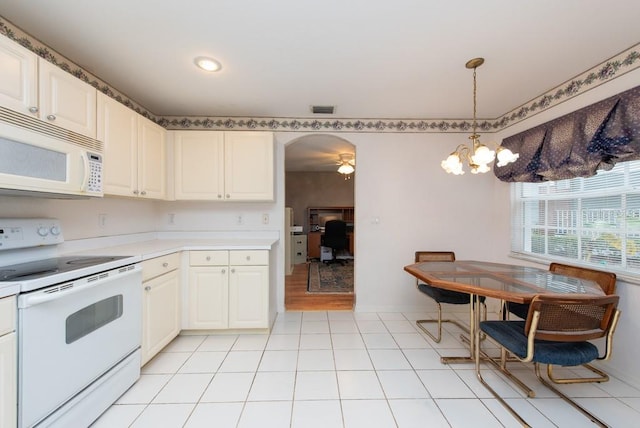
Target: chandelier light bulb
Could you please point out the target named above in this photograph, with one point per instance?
(453, 164)
(506, 156)
(483, 155)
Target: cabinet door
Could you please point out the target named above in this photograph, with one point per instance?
(66, 101)
(18, 77)
(152, 159)
(249, 297)
(208, 297)
(199, 173)
(118, 129)
(248, 163)
(160, 313)
(8, 381)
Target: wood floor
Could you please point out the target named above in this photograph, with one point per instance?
(296, 297)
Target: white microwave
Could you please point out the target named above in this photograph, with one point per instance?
(40, 159)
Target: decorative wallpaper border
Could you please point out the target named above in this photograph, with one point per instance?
(608, 70)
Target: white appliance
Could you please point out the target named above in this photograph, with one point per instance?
(79, 328)
(41, 159)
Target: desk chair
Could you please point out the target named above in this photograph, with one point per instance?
(441, 296)
(557, 331)
(335, 237)
(606, 281)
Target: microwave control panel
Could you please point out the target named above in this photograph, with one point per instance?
(94, 185)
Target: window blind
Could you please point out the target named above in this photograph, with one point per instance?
(593, 221)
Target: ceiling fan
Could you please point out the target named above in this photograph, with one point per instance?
(346, 164)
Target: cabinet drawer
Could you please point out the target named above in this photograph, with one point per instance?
(208, 258)
(160, 265)
(7, 315)
(249, 258)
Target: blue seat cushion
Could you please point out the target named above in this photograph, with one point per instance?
(445, 296)
(518, 309)
(510, 334)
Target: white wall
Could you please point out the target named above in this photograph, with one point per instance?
(405, 202)
(80, 217)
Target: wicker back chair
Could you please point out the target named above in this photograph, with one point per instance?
(606, 281)
(556, 332)
(440, 295)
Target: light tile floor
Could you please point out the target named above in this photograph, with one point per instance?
(343, 369)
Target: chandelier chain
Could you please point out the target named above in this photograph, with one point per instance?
(474, 100)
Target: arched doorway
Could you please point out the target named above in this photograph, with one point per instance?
(313, 185)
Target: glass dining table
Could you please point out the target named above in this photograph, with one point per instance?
(508, 283)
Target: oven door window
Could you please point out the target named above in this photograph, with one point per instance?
(92, 317)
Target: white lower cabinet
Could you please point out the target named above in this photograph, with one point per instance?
(8, 364)
(161, 304)
(228, 289)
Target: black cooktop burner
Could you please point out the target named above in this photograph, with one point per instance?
(41, 268)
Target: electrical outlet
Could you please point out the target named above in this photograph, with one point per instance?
(265, 218)
(171, 218)
(239, 219)
(102, 220)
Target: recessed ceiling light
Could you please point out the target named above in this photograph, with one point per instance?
(207, 64)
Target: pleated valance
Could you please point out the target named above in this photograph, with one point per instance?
(577, 144)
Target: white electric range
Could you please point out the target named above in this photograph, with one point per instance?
(78, 328)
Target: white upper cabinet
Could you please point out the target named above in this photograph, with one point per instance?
(118, 129)
(152, 159)
(226, 166)
(33, 86)
(134, 151)
(18, 77)
(66, 101)
(248, 166)
(198, 158)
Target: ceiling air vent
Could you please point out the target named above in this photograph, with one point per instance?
(322, 109)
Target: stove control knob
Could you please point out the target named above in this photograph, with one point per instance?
(55, 230)
(43, 231)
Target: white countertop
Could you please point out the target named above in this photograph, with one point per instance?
(160, 247)
(8, 290)
(156, 247)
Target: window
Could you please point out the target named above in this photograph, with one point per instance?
(593, 221)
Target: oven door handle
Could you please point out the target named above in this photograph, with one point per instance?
(32, 299)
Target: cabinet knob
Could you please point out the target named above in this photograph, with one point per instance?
(51, 117)
(223, 271)
(165, 264)
(147, 288)
(233, 271)
(33, 109)
(248, 258)
(228, 196)
(208, 258)
(144, 192)
(135, 192)
(219, 196)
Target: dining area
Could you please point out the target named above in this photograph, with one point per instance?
(555, 322)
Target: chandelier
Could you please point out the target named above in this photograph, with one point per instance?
(478, 156)
(346, 164)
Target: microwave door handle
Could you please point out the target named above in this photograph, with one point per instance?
(85, 171)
